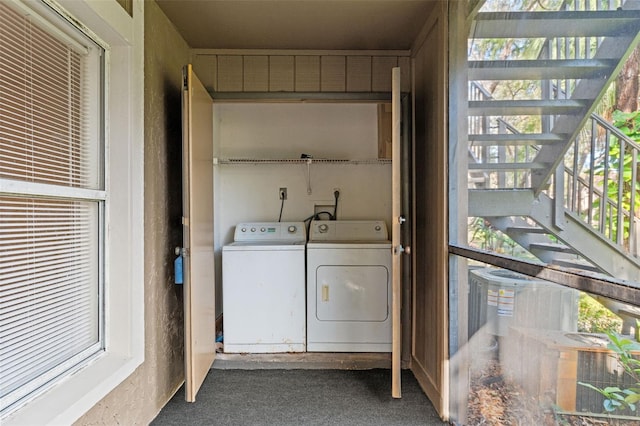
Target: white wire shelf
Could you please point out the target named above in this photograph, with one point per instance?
(299, 161)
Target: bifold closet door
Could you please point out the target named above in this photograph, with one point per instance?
(197, 222)
(397, 220)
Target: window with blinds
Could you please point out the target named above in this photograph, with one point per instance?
(52, 195)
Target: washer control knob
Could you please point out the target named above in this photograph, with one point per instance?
(323, 228)
(263, 229)
(378, 228)
(253, 229)
(292, 229)
(244, 229)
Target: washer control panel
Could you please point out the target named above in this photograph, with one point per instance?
(270, 231)
(348, 230)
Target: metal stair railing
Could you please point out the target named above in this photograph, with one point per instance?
(580, 48)
(601, 183)
(597, 181)
(590, 166)
(577, 47)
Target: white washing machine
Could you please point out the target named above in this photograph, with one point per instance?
(348, 287)
(263, 288)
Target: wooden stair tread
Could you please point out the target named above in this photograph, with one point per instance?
(527, 229)
(511, 139)
(555, 247)
(556, 24)
(528, 107)
(540, 69)
(507, 166)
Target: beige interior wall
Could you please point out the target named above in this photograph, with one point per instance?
(430, 320)
(144, 393)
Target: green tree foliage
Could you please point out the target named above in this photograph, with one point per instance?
(628, 123)
(486, 237)
(595, 318)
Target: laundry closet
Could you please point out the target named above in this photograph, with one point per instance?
(333, 134)
(314, 127)
(277, 160)
(292, 163)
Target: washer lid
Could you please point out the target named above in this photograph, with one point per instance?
(265, 246)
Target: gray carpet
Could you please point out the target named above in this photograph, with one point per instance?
(301, 397)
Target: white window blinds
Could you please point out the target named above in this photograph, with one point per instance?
(45, 85)
(51, 202)
(48, 307)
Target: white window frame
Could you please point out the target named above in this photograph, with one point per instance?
(73, 396)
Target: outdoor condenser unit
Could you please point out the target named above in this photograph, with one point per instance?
(499, 299)
(550, 364)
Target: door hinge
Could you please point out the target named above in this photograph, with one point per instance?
(402, 249)
(181, 251)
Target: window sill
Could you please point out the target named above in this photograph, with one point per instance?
(70, 399)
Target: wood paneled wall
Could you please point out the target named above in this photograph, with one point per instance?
(429, 361)
(264, 71)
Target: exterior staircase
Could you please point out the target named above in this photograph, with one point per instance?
(543, 168)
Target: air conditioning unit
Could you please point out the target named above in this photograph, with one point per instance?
(550, 364)
(499, 299)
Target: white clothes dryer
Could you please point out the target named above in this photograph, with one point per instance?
(348, 287)
(263, 288)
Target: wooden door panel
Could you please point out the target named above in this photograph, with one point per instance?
(197, 207)
(396, 205)
(430, 356)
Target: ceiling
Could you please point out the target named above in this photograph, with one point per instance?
(298, 24)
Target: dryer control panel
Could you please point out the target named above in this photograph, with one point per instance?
(348, 230)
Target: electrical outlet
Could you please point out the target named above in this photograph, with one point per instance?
(282, 194)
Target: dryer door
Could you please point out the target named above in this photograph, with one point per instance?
(352, 293)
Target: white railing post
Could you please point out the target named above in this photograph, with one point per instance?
(558, 197)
